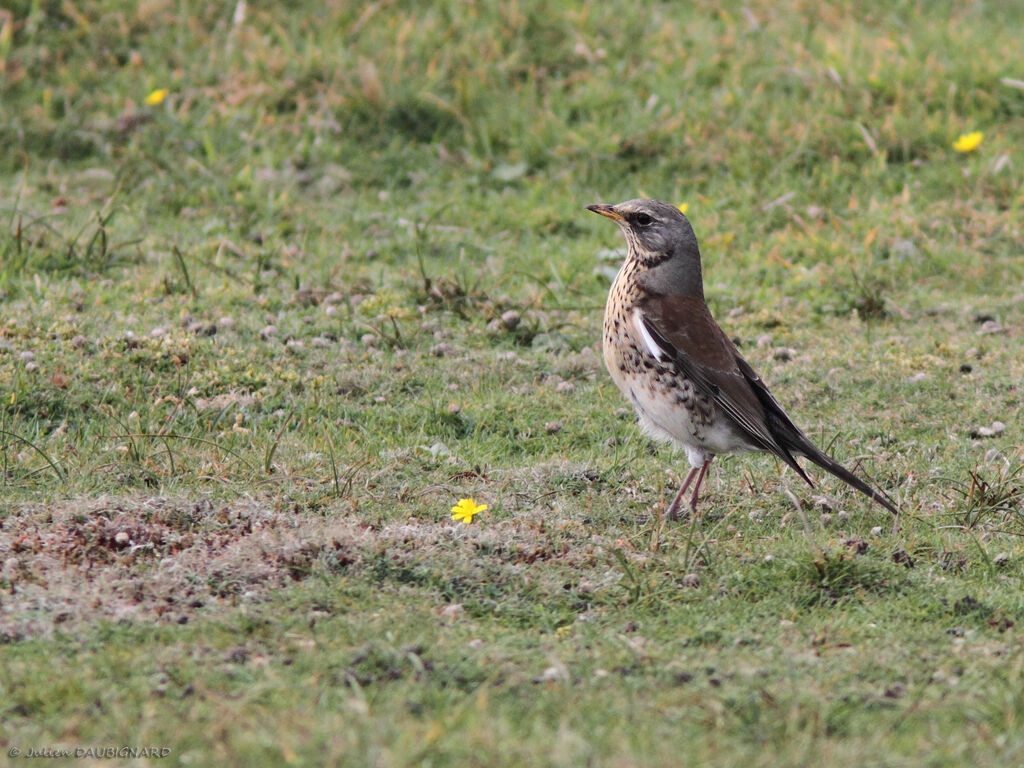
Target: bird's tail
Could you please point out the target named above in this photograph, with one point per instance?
(789, 440)
(829, 464)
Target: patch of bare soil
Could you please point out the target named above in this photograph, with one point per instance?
(165, 560)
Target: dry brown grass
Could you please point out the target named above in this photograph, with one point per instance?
(148, 558)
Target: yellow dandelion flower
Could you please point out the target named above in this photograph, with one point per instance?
(156, 97)
(968, 142)
(683, 207)
(465, 510)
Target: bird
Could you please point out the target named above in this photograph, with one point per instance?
(682, 374)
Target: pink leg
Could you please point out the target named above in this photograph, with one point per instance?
(672, 513)
(696, 487)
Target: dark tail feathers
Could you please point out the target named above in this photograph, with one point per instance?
(829, 464)
(790, 440)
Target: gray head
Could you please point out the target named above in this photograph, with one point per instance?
(661, 240)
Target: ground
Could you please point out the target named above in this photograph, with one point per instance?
(280, 286)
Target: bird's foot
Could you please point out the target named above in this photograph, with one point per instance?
(672, 511)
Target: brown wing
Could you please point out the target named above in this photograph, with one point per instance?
(682, 326)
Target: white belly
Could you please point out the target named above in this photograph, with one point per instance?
(662, 418)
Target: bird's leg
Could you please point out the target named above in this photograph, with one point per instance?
(672, 513)
(696, 487)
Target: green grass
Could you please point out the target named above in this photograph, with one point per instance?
(257, 339)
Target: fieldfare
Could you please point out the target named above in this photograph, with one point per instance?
(678, 369)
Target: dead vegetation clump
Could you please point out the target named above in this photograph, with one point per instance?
(167, 560)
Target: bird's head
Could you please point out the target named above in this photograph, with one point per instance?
(659, 237)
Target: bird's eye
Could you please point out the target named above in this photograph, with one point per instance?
(643, 220)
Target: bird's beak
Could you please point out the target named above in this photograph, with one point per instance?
(606, 210)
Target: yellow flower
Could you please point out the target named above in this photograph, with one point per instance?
(968, 142)
(156, 97)
(465, 510)
(683, 207)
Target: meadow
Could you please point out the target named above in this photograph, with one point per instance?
(281, 283)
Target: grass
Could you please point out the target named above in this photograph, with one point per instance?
(258, 338)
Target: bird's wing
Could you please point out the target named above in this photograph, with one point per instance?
(682, 329)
